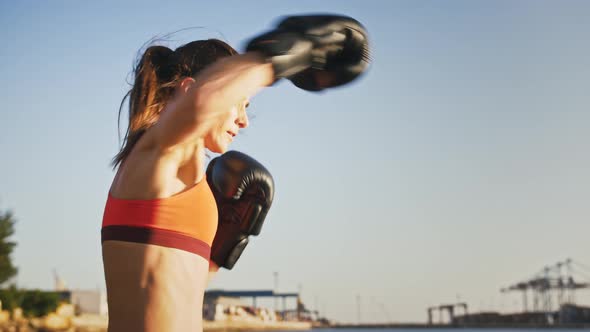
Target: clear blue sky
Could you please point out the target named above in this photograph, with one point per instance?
(458, 165)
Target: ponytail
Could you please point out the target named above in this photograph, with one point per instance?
(154, 81)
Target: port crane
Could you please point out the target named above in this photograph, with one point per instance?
(554, 284)
(449, 308)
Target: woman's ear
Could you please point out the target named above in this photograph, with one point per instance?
(186, 84)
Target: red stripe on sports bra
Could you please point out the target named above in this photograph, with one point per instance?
(158, 237)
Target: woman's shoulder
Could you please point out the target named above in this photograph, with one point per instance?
(149, 170)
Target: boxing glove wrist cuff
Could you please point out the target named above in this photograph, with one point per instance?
(288, 52)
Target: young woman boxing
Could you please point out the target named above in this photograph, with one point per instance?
(167, 220)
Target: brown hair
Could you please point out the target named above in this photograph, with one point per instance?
(157, 73)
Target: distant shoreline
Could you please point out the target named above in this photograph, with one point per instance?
(446, 326)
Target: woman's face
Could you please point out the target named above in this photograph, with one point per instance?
(228, 127)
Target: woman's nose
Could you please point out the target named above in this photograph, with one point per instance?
(242, 120)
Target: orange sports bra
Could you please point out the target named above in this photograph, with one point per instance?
(186, 221)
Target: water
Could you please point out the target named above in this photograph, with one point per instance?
(437, 330)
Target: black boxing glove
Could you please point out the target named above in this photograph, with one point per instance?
(244, 191)
(316, 51)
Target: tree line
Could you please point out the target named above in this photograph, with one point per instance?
(34, 303)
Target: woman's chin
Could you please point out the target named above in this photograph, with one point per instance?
(221, 148)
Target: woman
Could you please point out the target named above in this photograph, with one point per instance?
(160, 217)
